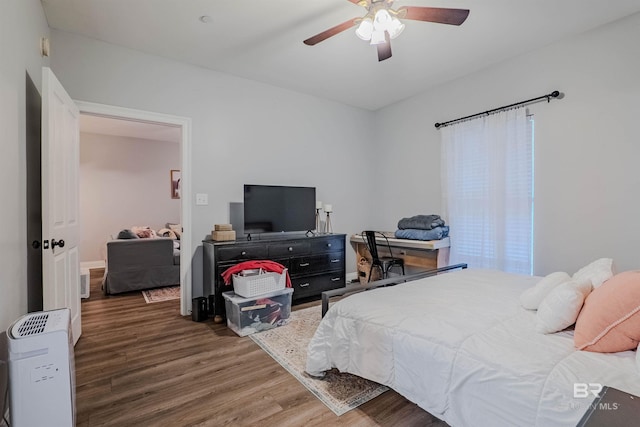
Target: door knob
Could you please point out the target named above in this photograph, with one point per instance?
(55, 243)
(35, 244)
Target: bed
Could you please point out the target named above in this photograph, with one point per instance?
(461, 347)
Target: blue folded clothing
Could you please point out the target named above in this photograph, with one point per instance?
(415, 234)
(421, 222)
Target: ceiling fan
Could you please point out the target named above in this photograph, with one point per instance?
(382, 23)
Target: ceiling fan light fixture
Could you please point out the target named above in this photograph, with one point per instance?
(395, 28)
(382, 20)
(378, 37)
(365, 29)
(382, 23)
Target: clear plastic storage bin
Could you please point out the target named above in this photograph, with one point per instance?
(248, 315)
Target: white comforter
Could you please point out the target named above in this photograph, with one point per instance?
(460, 346)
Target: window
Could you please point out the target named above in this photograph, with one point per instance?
(487, 187)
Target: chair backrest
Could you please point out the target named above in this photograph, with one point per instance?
(369, 237)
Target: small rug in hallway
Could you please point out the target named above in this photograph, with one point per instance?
(161, 294)
(288, 346)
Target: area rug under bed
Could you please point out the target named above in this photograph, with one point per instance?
(161, 294)
(288, 346)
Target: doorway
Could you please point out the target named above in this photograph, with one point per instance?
(183, 125)
(34, 196)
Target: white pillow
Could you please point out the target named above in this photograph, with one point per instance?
(561, 307)
(596, 272)
(532, 297)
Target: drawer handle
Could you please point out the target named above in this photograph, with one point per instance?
(304, 285)
(290, 249)
(243, 253)
(304, 264)
(335, 279)
(328, 245)
(335, 260)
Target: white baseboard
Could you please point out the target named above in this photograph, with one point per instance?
(91, 264)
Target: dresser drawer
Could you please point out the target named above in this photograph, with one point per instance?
(317, 263)
(327, 244)
(288, 249)
(314, 285)
(222, 267)
(243, 252)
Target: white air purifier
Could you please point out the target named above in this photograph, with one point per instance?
(41, 370)
(85, 283)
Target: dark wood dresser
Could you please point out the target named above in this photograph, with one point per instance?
(315, 263)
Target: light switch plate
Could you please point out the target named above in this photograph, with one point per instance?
(202, 199)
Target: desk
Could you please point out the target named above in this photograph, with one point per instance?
(425, 254)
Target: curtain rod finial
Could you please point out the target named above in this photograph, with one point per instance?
(438, 125)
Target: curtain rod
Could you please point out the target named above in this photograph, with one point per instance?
(554, 94)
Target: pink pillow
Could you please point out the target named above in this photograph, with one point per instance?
(610, 319)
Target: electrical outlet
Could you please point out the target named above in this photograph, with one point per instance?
(202, 199)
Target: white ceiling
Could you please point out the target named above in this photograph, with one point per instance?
(262, 40)
(129, 128)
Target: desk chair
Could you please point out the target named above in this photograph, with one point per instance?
(384, 263)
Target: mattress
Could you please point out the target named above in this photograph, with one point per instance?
(461, 347)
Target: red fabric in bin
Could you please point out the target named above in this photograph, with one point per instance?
(266, 265)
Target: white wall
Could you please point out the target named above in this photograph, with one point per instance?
(22, 23)
(124, 182)
(243, 131)
(586, 145)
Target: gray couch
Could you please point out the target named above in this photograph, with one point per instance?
(137, 264)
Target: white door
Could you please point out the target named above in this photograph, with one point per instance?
(60, 228)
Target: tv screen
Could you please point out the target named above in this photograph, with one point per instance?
(273, 208)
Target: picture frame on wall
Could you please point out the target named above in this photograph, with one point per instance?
(175, 183)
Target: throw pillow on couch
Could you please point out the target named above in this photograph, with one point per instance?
(176, 228)
(127, 234)
(166, 232)
(144, 232)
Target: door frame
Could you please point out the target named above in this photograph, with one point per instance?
(185, 180)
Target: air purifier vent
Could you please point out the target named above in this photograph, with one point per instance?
(33, 325)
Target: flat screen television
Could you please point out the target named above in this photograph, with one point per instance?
(274, 208)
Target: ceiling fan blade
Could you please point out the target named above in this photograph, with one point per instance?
(384, 50)
(434, 14)
(331, 32)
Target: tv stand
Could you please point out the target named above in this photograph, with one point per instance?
(316, 263)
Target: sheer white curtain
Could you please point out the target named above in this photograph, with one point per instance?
(487, 188)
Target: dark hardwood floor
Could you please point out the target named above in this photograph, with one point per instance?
(141, 364)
